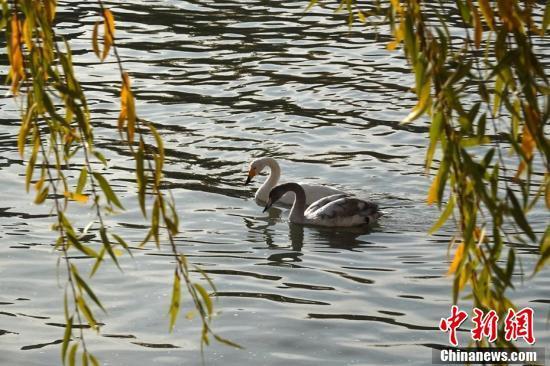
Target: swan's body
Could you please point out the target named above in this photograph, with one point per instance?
(339, 210)
(312, 192)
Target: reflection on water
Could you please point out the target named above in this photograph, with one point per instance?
(226, 82)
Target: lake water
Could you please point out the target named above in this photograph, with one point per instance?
(227, 82)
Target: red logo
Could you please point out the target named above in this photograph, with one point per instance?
(451, 323)
(516, 325)
(519, 324)
(485, 325)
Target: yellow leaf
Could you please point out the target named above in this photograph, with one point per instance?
(22, 138)
(392, 45)
(95, 44)
(50, 9)
(17, 72)
(123, 115)
(478, 28)
(127, 108)
(547, 194)
(131, 110)
(121, 119)
(27, 33)
(109, 32)
(527, 146)
(421, 105)
(397, 6)
(41, 196)
(131, 117)
(109, 22)
(487, 12)
(40, 183)
(459, 253)
(361, 16)
(82, 198)
(432, 193)
(509, 16)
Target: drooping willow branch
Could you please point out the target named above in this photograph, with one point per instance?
(54, 109)
(491, 76)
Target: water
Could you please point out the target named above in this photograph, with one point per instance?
(225, 83)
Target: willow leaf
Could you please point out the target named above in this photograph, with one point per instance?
(205, 297)
(175, 303)
(444, 216)
(83, 285)
(66, 338)
(82, 180)
(107, 190)
(72, 354)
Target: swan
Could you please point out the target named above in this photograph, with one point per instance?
(339, 210)
(313, 192)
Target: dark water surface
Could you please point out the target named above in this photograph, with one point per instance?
(227, 82)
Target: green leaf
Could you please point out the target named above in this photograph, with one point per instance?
(424, 102)
(141, 179)
(78, 245)
(227, 342)
(98, 261)
(66, 338)
(72, 354)
(546, 20)
(544, 250)
(519, 216)
(464, 12)
(122, 243)
(481, 125)
(206, 277)
(311, 4)
(107, 245)
(82, 180)
(510, 265)
(205, 297)
(435, 132)
(175, 303)
(160, 156)
(100, 157)
(107, 190)
(84, 358)
(41, 196)
(474, 141)
(444, 216)
(85, 310)
(94, 360)
(83, 285)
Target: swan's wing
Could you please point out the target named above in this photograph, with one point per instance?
(347, 211)
(323, 202)
(316, 192)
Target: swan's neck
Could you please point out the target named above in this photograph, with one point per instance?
(299, 205)
(271, 181)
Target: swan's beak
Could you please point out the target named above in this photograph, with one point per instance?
(269, 204)
(251, 174)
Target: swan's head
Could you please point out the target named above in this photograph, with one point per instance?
(276, 194)
(254, 169)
